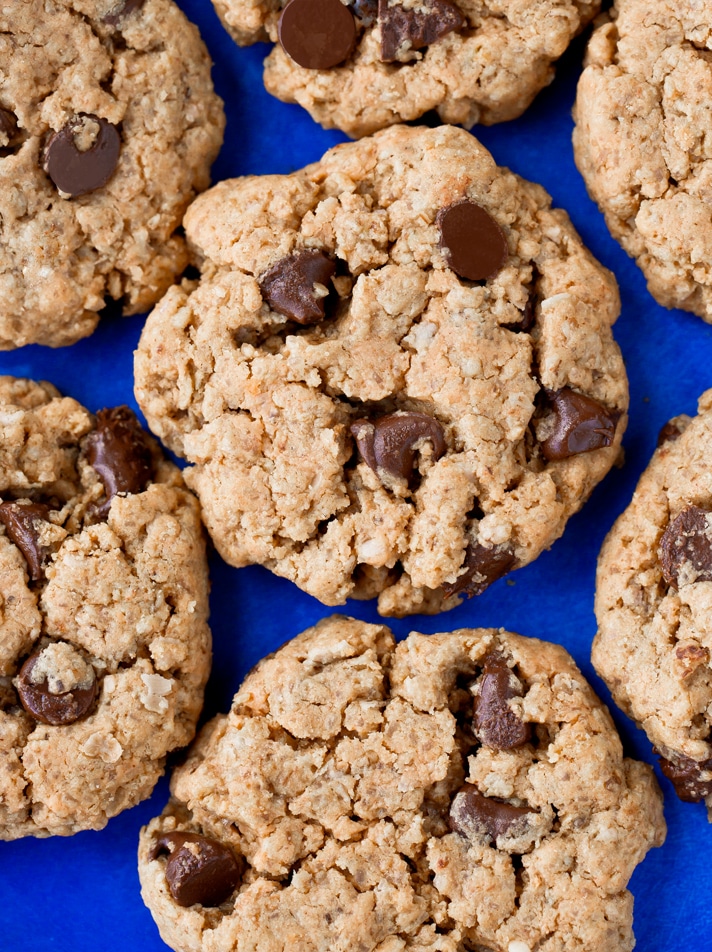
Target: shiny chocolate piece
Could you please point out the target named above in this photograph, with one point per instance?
(390, 442)
(474, 245)
(56, 709)
(317, 34)
(22, 523)
(118, 451)
(686, 546)
(198, 869)
(578, 425)
(472, 814)
(77, 167)
(297, 286)
(670, 432)
(483, 565)
(121, 10)
(495, 723)
(685, 775)
(404, 29)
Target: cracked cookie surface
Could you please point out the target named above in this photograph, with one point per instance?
(108, 127)
(643, 142)
(430, 432)
(104, 643)
(453, 792)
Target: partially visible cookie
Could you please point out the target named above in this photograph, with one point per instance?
(108, 127)
(454, 792)
(367, 64)
(396, 376)
(104, 643)
(643, 142)
(654, 604)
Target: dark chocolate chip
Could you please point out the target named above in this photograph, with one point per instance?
(55, 709)
(495, 723)
(472, 814)
(671, 431)
(8, 129)
(475, 246)
(198, 869)
(317, 34)
(686, 776)
(578, 424)
(483, 565)
(121, 10)
(76, 167)
(687, 542)
(118, 451)
(404, 29)
(288, 286)
(365, 10)
(22, 523)
(390, 441)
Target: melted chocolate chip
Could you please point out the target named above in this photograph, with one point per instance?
(687, 545)
(403, 30)
(76, 171)
(317, 34)
(289, 286)
(390, 441)
(578, 425)
(55, 709)
(483, 565)
(474, 245)
(118, 451)
(686, 776)
(365, 10)
(23, 522)
(494, 721)
(472, 814)
(121, 10)
(198, 869)
(671, 431)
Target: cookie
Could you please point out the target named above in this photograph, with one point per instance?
(368, 64)
(457, 791)
(654, 604)
(104, 643)
(642, 142)
(396, 376)
(108, 127)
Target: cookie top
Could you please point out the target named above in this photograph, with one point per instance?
(457, 791)
(104, 643)
(360, 417)
(642, 142)
(108, 127)
(367, 64)
(654, 604)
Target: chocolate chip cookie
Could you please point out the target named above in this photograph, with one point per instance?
(654, 604)
(108, 127)
(396, 376)
(366, 64)
(104, 643)
(642, 142)
(457, 791)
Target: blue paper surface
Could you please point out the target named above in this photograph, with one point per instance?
(82, 893)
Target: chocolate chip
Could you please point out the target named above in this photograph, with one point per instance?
(118, 451)
(55, 707)
(687, 545)
(495, 723)
(317, 34)
(365, 10)
(475, 246)
(686, 776)
(198, 869)
(472, 814)
(8, 130)
(390, 441)
(671, 431)
(23, 522)
(577, 424)
(83, 155)
(403, 30)
(121, 10)
(526, 321)
(483, 565)
(297, 286)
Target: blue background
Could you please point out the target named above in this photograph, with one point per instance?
(82, 893)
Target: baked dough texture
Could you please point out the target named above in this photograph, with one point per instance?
(334, 778)
(643, 142)
(262, 406)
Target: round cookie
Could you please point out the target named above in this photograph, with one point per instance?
(104, 643)
(361, 419)
(108, 127)
(642, 142)
(654, 604)
(368, 64)
(457, 791)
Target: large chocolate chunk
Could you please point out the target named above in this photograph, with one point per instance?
(118, 451)
(495, 723)
(317, 34)
(686, 776)
(472, 814)
(483, 565)
(42, 693)
(297, 286)
(404, 29)
(577, 424)
(23, 522)
(686, 547)
(198, 869)
(390, 442)
(83, 155)
(474, 245)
